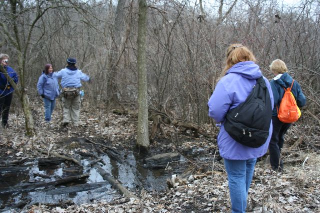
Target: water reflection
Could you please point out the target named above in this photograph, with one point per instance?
(130, 173)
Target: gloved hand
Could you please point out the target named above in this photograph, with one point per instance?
(42, 95)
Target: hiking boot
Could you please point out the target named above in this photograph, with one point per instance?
(65, 124)
(279, 169)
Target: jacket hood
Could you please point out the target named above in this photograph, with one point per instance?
(247, 69)
(71, 72)
(285, 80)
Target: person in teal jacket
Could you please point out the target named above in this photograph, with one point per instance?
(48, 89)
(6, 89)
(281, 80)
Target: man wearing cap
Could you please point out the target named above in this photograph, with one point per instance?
(6, 89)
(71, 78)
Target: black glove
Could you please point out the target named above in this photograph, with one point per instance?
(42, 95)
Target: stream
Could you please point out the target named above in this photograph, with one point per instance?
(17, 184)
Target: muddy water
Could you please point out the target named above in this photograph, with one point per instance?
(131, 173)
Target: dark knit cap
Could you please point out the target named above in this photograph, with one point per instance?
(71, 60)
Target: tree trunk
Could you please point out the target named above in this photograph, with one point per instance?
(24, 102)
(116, 53)
(27, 113)
(21, 49)
(143, 131)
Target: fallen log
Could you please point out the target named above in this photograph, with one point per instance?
(14, 162)
(60, 156)
(45, 162)
(76, 188)
(108, 150)
(67, 158)
(161, 160)
(31, 187)
(14, 169)
(115, 183)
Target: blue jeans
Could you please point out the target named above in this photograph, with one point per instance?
(240, 173)
(49, 107)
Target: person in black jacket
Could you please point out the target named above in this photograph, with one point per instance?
(281, 80)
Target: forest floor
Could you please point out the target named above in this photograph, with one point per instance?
(202, 188)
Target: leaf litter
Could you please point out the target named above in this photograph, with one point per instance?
(203, 189)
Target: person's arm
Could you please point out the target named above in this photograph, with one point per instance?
(40, 85)
(57, 74)
(219, 103)
(84, 77)
(301, 98)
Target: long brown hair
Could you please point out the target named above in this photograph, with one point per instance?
(237, 53)
(46, 68)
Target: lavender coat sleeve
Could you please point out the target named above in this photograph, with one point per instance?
(219, 103)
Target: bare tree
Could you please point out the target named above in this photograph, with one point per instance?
(17, 31)
(143, 129)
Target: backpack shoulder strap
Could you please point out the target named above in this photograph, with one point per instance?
(285, 89)
(261, 82)
(291, 84)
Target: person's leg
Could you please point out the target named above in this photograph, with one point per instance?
(66, 103)
(53, 105)
(236, 170)
(274, 149)
(1, 105)
(6, 108)
(250, 164)
(47, 110)
(282, 132)
(75, 110)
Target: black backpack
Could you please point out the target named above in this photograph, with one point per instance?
(249, 122)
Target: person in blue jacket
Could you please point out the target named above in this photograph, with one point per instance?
(236, 83)
(48, 89)
(6, 89)
(281, 80)
(71, 78)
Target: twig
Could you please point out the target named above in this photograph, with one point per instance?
(115, 183)
(61, 156)
(214, 156)
(312, 115)
(299, 141)
(305, 160)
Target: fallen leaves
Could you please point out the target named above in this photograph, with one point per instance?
(295, 190)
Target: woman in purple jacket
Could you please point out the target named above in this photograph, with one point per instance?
(48, 89)
(237, 80)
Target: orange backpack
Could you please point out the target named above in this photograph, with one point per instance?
(288, 111)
